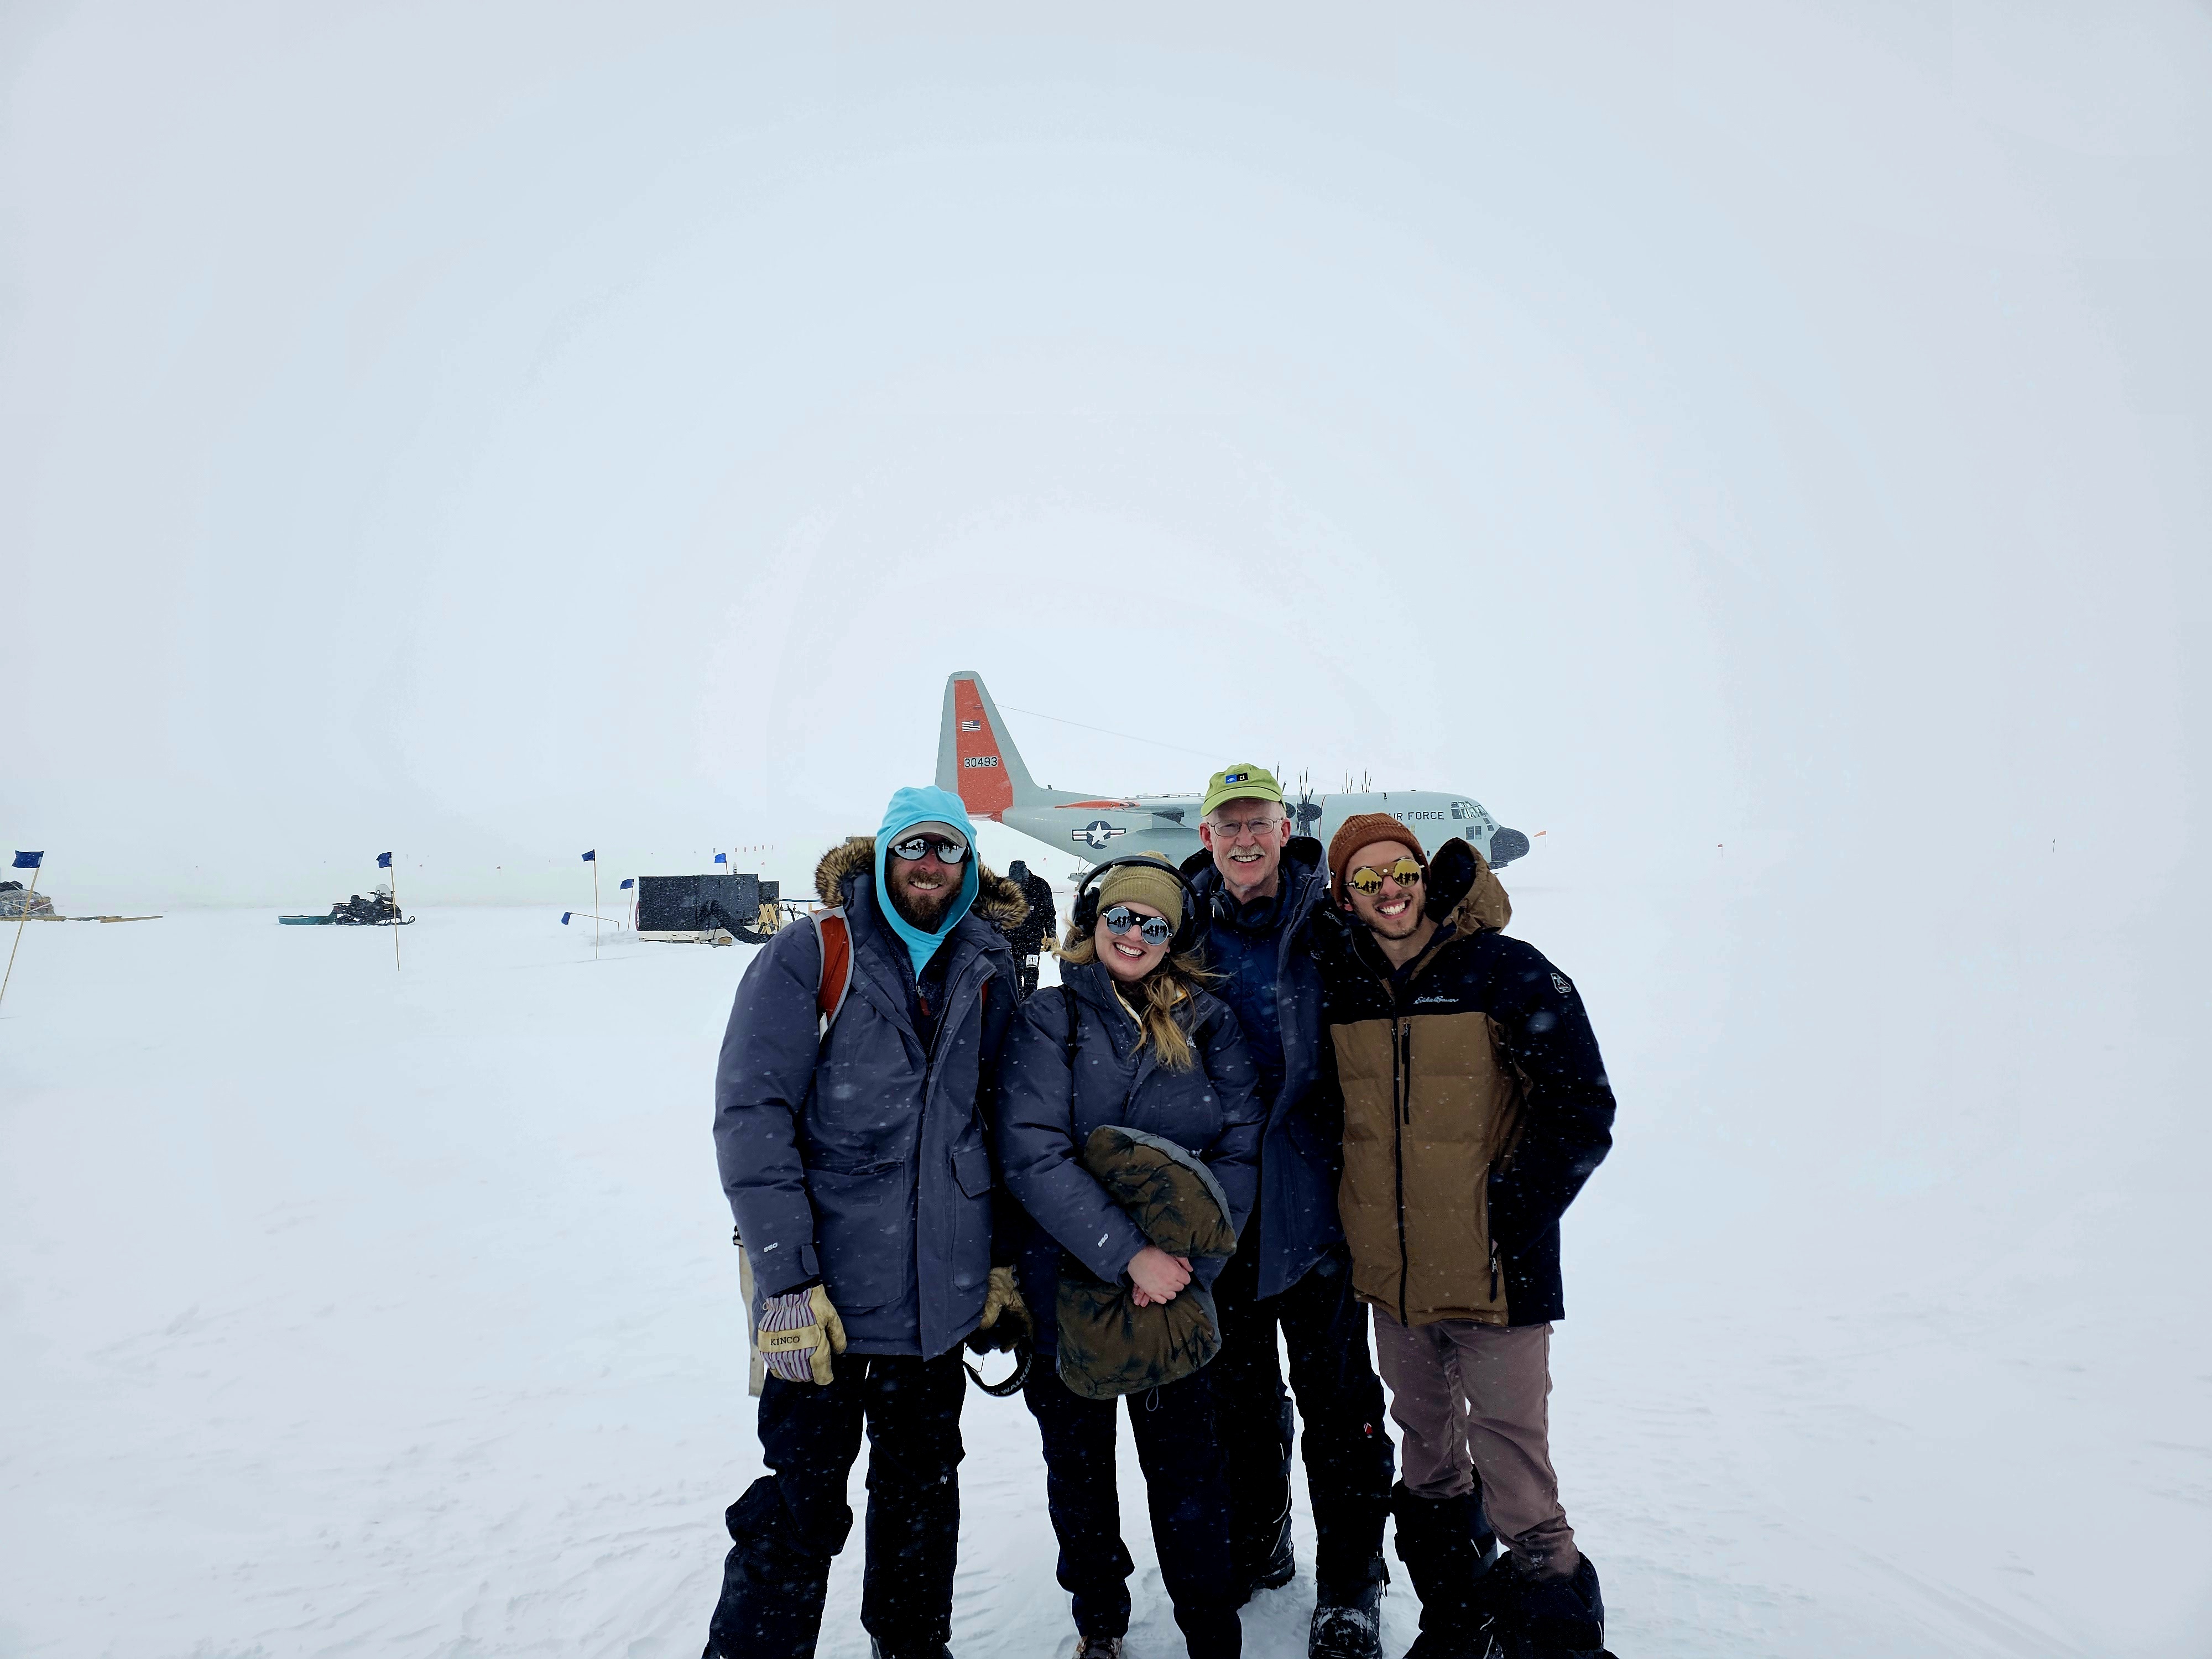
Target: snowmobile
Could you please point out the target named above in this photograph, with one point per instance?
(377, 910)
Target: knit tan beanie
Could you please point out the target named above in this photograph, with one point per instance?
(1149, 883)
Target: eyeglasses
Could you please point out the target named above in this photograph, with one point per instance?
(1369, 880)
(1232, 829)
(1153, 930)
(914, 848)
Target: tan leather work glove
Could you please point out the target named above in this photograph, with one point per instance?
(1001, 1294)
(798, 1331)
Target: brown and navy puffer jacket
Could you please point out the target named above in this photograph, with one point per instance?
(1474, 1106)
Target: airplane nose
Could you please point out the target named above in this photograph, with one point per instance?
(1507, 845)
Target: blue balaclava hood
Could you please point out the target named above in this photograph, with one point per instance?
(910, 807)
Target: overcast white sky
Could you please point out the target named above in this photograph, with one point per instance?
(490, 431)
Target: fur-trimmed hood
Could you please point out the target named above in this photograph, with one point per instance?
(1483, 907)
(998, 902)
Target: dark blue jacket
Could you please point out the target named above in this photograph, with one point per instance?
(862, 1157)
(1302, 1155)
(1045, 1113)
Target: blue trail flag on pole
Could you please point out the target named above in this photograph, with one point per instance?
(383, 860)
(592, 857)
(565, 915)
(23, 861)
(722, 858)
(629, 881)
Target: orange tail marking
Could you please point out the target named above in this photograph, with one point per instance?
(985, 789)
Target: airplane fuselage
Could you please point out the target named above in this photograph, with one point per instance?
(1102, 828)
(976, 760)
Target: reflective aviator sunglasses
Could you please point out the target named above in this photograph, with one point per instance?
(1369, 880)
(1153, 930)
(916, 847)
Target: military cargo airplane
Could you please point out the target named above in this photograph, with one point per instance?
(977, 760)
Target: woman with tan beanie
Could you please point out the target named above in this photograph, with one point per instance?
(1134, 1039)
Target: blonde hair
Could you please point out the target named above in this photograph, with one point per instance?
(1157, 995)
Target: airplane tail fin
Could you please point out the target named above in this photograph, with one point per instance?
(976, 759)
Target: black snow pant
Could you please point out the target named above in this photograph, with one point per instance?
(1349, 1462)
(1186, 1486)
(1029, 977)
(795, 1518)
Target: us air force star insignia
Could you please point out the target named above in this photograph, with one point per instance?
(1562, 984)
(1097, 832)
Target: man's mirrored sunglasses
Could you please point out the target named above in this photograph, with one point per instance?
(914, 847)
(1153, 930)
(1368, 879)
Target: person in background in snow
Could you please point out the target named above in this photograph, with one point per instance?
(858, 1170)
(1261, 891)
(1475, 1106)
(1155, 1053)
(1028, 935)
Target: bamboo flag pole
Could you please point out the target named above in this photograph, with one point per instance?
(31, 893)
(395, 915)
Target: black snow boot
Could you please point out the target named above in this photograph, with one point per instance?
(938, 1651)
(1547, 1616)
(1347, 1620)
(1439, 1541)
(1097, 1647)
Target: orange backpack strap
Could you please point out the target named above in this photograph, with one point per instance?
(836, 940)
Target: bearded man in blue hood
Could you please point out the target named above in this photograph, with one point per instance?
(849, 1115)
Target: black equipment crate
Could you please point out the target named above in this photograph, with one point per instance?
(699, 904)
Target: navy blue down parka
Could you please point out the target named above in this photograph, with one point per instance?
(1044, 1114)
(862, 1158)
(1303, 1155)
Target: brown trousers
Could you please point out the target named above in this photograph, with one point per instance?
(1472, 1399)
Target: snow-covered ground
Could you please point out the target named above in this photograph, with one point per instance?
(354, 1310)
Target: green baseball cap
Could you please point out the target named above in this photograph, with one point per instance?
(1240, 782)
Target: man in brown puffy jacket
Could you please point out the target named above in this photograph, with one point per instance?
(1475, 1105)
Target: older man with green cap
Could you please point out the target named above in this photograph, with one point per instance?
(1260, 891)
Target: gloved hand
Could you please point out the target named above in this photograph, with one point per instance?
(798, 1331)
(1006, 1329)
(1003, 1296)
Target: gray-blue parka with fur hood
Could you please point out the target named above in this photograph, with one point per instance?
(862, 1157)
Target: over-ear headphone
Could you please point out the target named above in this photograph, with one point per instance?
(1086, 900)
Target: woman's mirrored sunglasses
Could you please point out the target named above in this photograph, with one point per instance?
(913, 848)
(1153, 930)
(1368, 879)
